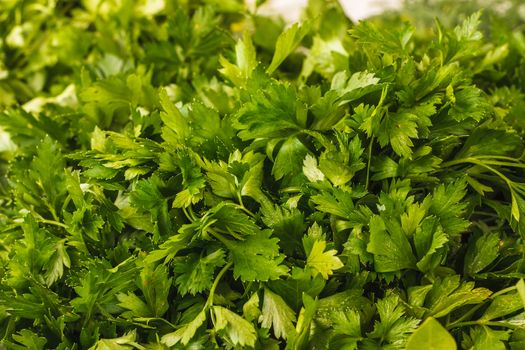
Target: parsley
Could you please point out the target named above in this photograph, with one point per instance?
(202, 176)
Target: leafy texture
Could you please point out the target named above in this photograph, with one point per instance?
(390, 247)
(257, 258)
(203, 175)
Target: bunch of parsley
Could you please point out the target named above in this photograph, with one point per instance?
(195, 175)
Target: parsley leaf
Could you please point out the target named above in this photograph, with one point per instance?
(207, 175)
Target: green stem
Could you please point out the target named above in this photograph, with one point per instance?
(246, 210)
(503, 291)
(291, 189)
(507, 164)
(209, 301)
(478, 323)
(459, 322)
(482, 213)
(53, 212)
(52, 222)
(479, 163)
(55, 222)
(189, 215)
(465, 316)
(498, 157)
(192, 213)
(138, 320)
(217, 235)
(369, 162)
(66, 202)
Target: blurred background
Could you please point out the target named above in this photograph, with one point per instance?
(354, 9)
(422, 10)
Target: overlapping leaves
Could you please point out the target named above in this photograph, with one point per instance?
(169, 182)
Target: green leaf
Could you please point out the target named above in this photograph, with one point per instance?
(468, 30)
(246, 61)
(449, 294)
(236, 329)
(354, 87)
(169, 248)
(502, 305)
(469, 102)
(411, 219)
(195, 273)
(127, 341)
(339, 202)
(136, 306)
(348, 323)
(520, 287)
(383, 39)
(342, 163)
(155, 285)
(200, 174)
(398, 130)
(257, 258)
(485, 141)
(277, 314)
(232, 220)
(184, 334)
(146, 194)
(391, 248)
(310, 169)
(192, 179)
(287, 224)
(484, 337)
(56, 264)
(431, 335)
(322, 262)
(304, 322)
(294, 287)
(272, 111)
(29, 340)
(428, 239)
(447, 205)
(250, 309)
(176, 125)
(482, 250)
(289, 158)
(287, 42)
(393, 325)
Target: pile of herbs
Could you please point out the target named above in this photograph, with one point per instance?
(195, 175)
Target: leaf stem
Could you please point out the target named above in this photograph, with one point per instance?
(481, 323)
(53, 222)
(66, 202)
(466, 315)
(480, 163)
(217, 235)
(246, 210)
(192, 213)
(369, 162)
(209, 301)
(459, 322)
(503, 291)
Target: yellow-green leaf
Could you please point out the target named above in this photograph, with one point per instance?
(431, 335)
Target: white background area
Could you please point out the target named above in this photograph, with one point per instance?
(354, 9)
